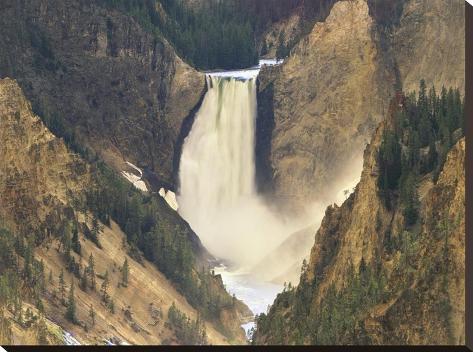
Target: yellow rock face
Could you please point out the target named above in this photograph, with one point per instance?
(38, 173)
(330, 94)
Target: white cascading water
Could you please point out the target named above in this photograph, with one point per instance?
(217, 193)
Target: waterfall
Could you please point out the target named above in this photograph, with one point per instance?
(217, 194)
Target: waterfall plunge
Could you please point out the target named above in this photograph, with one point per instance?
(217, 193)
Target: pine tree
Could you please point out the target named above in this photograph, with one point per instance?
(62, 287)
(281, 51)
(67, 243)
(91, 273)
(42, 331)
(111, 306)
(264, 48)
(95, 227)
(125, 270)
(71, 305)
(84, 282)
(27, 272)
(104, 287)
(75, 241)
(92, 315)
(50, 279)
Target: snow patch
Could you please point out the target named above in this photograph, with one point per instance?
(170, 198)
(134, 179)
(136, 168)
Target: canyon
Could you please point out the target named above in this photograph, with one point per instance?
(222, 179)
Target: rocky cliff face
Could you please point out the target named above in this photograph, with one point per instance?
(415, 288)
(429, 44)
(121, 91)
(317, 112)
(298, 20)
(38, 175)
(329, 94)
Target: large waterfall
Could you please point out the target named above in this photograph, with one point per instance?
(217, 193)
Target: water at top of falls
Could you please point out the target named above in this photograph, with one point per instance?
(217, 194)
(249, 73)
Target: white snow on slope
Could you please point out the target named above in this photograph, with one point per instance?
(170, 198)
(135, 180)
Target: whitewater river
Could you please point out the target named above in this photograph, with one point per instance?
(257, 295)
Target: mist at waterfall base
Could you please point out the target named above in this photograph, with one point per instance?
(218, 195)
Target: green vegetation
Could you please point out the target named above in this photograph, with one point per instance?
(90, 272)
(425, 128)
(71, 305)
(337, 319)
(92, 315)
(214, 36)
(188, 332)
(156, 232)
(62, 287)
(22, 279)
(125, 271)
(104, 288)
(219, 34)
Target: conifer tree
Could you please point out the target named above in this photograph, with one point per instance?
(125, 270)
(104, 287)
(42, 331)
(111, 306)
(67, 243)
(62, 287)
(71, 305)
(84, 282)
(91, 273)
(92, 315)
(75, 241)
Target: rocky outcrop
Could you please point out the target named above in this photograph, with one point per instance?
(38, 175)
(282, 32)
(329, 94)
(120, 90)
(429, 44)
(296, 22)
(317, 112)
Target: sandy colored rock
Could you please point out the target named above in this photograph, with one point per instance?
(328, 95)
(429, 44)
(317, 112)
